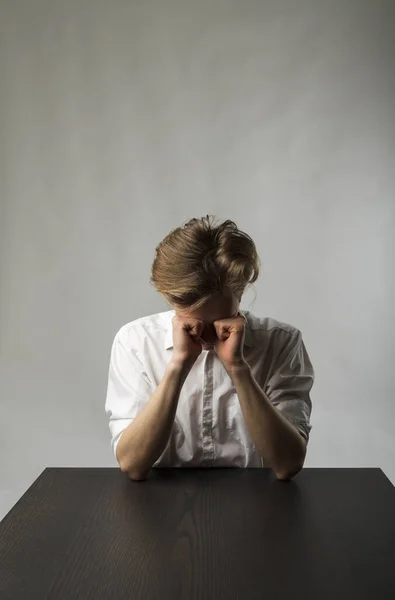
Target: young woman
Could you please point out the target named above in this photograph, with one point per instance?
(206, 384)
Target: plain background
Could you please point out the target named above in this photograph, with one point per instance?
(120, 120)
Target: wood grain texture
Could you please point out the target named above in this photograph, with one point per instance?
(91, 533)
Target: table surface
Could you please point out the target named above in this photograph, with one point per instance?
(81, 533)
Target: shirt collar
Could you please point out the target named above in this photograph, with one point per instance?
(248, 338)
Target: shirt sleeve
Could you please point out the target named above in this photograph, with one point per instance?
(128, 389)
(288, 388)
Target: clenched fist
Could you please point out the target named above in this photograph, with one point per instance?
(229, 342)
(186, 338)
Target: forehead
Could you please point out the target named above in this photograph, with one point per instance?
(215, 309)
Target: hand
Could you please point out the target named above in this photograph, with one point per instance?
(186, 338)
(230, 341)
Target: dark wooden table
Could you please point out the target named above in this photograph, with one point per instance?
(207, 534)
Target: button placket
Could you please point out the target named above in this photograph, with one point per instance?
(207, 420)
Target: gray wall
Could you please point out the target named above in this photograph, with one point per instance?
(120, 120)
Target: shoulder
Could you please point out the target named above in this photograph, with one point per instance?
(269, 328)
(280, 342)
(135, 333)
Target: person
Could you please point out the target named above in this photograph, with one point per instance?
(206, 384)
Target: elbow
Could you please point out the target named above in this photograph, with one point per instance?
(285, 475)
(129, 470)
(133, 473)
(297, 464)
(290, 473)
(135, 476)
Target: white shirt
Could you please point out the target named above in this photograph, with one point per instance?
(209, 428)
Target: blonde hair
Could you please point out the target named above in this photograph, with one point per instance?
(199, 259)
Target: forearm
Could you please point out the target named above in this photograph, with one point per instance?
(144, 440)
(278, 442)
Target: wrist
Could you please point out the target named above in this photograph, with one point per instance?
(237, 369)
(182, 366)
